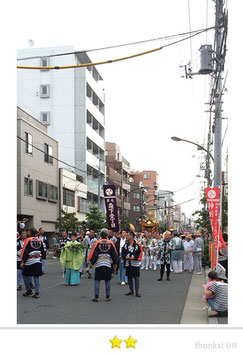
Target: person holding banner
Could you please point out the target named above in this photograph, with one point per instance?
(198, 250)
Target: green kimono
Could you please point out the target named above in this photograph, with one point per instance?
(72, 256)
(71, 260)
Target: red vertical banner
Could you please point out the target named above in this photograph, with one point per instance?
(213, 201)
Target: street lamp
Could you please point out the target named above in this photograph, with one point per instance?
(176, 139)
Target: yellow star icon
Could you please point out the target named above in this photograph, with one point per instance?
(130, 342)
(116, 342)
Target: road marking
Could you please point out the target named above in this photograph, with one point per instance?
(46, 288)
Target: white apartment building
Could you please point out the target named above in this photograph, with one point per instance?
(70, 102)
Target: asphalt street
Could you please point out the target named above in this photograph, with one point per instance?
(161, 302)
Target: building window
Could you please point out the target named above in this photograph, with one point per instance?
(96, 126)
(136, 208)
(44, 62)
(28, 143)
(45, 117)
(89, 118)
(53, 193)
(28, 187)
(118, 190)
(48, 157)
(136, 195)
(45, 90)
(146, 176)
(89, 145)
(68, 198)
(41, 190)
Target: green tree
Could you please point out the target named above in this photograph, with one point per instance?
(203, 219)
(162, 228)
(67, 222)
(125, 223)
(224, 212)
(94, 219)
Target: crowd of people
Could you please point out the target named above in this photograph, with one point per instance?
(124, 253)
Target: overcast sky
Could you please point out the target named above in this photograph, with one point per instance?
(147, 100)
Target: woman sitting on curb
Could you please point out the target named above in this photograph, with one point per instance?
(212, 278)
(218, 304)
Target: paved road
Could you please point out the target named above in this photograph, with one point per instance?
(161, 302)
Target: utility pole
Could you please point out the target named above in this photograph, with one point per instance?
(220, 38)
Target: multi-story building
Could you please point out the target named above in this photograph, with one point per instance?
(135, 198)
(118, 173)
(70, 103)
(73, 194)
(149, 179)
(165, 203)
(37, 174)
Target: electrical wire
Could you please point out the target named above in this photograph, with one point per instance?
(181, 203)
(224, 135)
(115, 46)
(111, 60)
(42, 151)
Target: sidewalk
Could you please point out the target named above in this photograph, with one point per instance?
(193, 313)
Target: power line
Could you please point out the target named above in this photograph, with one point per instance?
(61, 161)
(185, 186)
(167, 207)
(116, 46)
(111, 60)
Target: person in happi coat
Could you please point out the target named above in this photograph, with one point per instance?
(177, 253)
(46, 247)
(188, 249)
(31, 262)
(20, 244)
(164, 255)
(154, 247)
(103, 255)
(132, 253)
(92, 240)
(198, 250)
(71, 260)
(146, 242)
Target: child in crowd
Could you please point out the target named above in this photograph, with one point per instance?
(212, 278)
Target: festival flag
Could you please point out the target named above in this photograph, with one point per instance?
(111, 207)
(213, 201)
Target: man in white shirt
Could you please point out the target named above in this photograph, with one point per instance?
(188, 249)
(121, 270)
